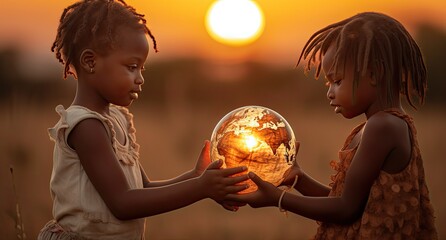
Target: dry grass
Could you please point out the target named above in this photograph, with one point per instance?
(170, 141)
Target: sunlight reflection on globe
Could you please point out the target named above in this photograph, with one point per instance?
(256, 137)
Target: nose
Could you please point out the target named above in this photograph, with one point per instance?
(140, 79)
(330, 93)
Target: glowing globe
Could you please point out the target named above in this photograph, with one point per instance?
(258, 138)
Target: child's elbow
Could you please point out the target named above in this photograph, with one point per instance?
(120, 214)
(349, 216)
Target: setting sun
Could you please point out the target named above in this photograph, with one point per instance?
(235, 22)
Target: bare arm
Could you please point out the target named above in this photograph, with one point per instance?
(201, 165)
(381, 135)
(306, 185)
(148, 183)
(92, 144)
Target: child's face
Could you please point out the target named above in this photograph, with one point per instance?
(340, 89)
(118, 76)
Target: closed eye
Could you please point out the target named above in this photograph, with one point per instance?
(337, 82)
(132, 67)
(327, 81)
(333, 78)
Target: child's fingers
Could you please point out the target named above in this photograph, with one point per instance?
(297, 146)
(234, 170)
(215, 164)
(237, 179)
(230, 207)
(287, 172)
(205, 151)
(256, 179)
(236, 188)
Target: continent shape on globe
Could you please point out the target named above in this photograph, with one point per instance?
(258, 138)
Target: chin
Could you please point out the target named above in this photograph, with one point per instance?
(124, 104)
(349, 116)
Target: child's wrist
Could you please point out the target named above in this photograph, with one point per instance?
(279, 202)
(284, 191)
(194, 173)
(300, 175)
(201, 187)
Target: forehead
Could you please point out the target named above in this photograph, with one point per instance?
(328, 59)
(336, 63)
(132, 41)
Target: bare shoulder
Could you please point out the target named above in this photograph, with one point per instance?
(384, 145)
(391, 135)
(386, 123)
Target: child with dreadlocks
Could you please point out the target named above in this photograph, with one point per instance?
(379, 190)
(98, 186)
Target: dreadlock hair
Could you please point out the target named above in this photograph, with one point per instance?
(93, 23)
(372, 42)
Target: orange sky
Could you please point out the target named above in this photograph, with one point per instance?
(179, 25)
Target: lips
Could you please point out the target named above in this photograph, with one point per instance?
(134, 94)
(337, 108)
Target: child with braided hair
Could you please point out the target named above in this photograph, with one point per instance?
(98, 186)
(379, 190)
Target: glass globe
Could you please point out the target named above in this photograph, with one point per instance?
(258, 138)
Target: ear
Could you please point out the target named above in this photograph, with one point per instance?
(376, 74)
(373, 81)
(88, 60)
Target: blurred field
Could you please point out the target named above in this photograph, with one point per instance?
(184, 97)
(171, 138)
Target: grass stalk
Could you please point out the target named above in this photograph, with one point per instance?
(20, 228)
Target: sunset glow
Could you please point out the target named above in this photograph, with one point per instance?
(285, 27)
(234, 22)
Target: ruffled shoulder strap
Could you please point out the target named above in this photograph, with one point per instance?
(70, 117)
(412, 130)
(352, 135)
(125, 118)
(405, 117)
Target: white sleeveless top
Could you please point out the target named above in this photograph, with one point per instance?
(77, 206)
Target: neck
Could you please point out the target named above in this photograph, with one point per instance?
(85, 98)
(379, 106)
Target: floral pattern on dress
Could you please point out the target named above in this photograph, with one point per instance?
(398, 206)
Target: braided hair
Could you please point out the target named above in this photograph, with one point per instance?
(93, 23)
(372, 42)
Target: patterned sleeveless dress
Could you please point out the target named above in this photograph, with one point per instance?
(398, 206)
(78, 210)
